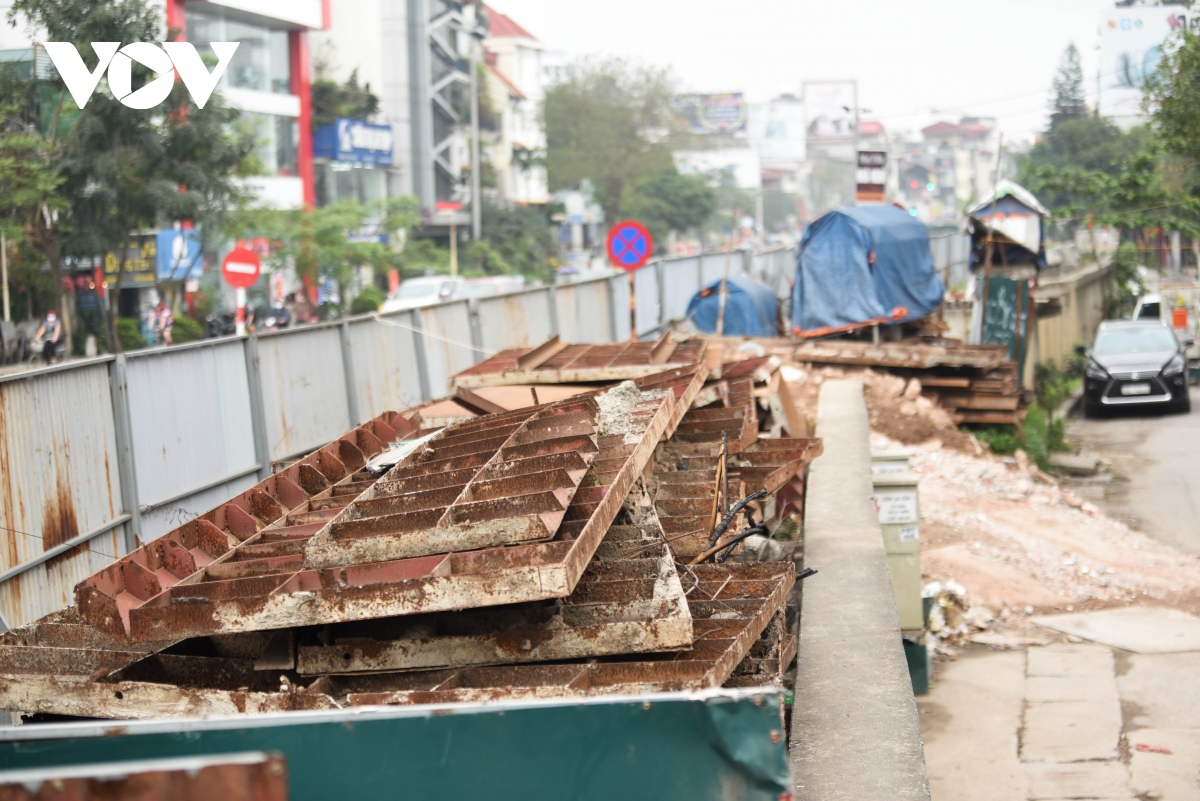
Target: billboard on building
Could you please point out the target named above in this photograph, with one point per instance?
(830, 110)
(724, 114)
(777, 130)
(1131, 45)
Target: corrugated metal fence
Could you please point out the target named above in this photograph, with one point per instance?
(98, 455)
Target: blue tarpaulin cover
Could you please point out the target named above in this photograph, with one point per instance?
(838, 286)
(750, 310)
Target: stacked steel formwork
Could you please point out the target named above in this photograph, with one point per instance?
(575, 548)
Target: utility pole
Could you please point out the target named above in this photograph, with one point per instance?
(4, 274)
(454, 245)
(476, 167)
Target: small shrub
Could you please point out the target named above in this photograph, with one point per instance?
(369, 300)
(129, 331)
(186, 329)
(1001, 439)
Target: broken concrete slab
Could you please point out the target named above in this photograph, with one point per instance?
(1091, 780)
(1075, 464)
(1170, 777)
(1141, 629)
(1072, 731)
(1150, 683)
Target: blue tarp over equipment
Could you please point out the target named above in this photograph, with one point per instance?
(838, 286)
(751, 308)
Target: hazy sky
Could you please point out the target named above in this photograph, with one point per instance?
(916, 61)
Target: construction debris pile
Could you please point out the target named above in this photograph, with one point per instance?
(578, 520)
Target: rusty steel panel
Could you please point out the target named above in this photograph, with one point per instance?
(731, 605)
(584, 311)
(583, 363)
(58, 479)
(312, 489)
(158, 519)
(303, 388)
(191, 413)
(384, 361)
(515, 320)
(769, 658)
(265, 582)
(446, 328)
(251, 776)
(770, 463)
(629, 600)
(501, 479)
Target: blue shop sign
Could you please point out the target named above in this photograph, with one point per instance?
(179, 255)
(356, 142)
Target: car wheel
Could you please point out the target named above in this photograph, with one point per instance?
(1184, 406)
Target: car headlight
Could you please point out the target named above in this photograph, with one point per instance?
(1094, 370)
(1175, 366)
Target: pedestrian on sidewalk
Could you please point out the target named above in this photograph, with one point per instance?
(50, 332)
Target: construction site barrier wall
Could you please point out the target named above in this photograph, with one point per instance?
(99, 455)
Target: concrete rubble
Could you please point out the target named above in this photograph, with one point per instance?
(577, 520)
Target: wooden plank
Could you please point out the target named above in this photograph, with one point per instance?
(944, 381)
(797, 424)
(662, 350)
(994, 418)
(541, 354)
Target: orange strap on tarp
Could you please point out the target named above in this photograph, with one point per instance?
(898, 314)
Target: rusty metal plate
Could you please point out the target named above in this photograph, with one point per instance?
(731, 605)
(629, 600)
(267, 583)
(501, 479)
(769, 658)
(768, 464)
(252, 776)
(304, 495)
(553, 363)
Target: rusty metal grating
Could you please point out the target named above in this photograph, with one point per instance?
(497, 480)
(266, 582)
(555, 362)
(731, 606)
(629, 600)
(303, 495)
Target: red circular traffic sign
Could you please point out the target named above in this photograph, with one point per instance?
(241, 268)
(630, 245)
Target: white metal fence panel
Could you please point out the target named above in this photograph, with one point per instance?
(448, 348)
(649, 306)
(161, 518)
(681, 280)
(384, 362)
(50, 585)
(190, 409)
(516, 320)
(304, 389)
(618, 290)
(58, 480)
(584, 312)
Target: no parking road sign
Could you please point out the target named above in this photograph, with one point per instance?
(630, 245)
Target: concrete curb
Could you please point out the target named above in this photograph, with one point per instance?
(855, 732)
(1070, 406)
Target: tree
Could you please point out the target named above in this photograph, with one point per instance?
(610, 123)
(515, 240)
(125, 170)
(1172, 96)
(331, 100)
(670, 201)
(1069, 101)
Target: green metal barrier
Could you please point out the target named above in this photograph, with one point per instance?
(717, 744)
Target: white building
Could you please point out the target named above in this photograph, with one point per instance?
(516, 83)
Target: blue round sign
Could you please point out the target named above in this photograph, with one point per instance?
(630, 245)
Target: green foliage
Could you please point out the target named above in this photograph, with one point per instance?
(317, 243)
(484, 259)
(331, 100)
(516, 240)
(129, 332)
(1128, 284)
(422, 257)
(1000, 439)
(1172, 95)
(1069, 101)
(667, 200)
(608, 122)
(1052, 385)
(369, 300)
(185, 329)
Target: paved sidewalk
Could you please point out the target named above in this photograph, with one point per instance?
(1064, 721)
